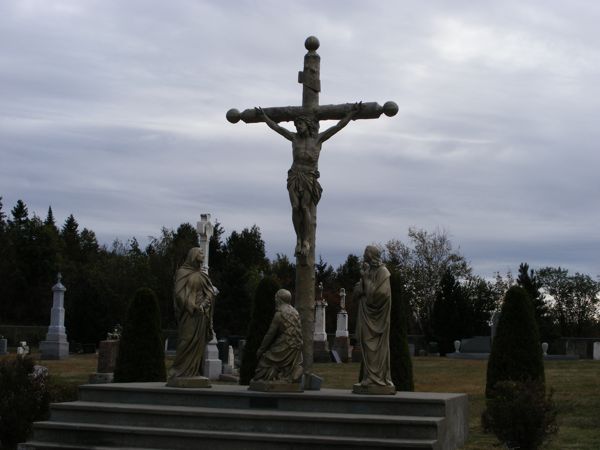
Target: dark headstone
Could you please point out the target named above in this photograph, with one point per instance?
(107, 356)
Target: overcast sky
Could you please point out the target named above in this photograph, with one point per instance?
(114, 111)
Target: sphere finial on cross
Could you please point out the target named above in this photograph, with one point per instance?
(311, 44)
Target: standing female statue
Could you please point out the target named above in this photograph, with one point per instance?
(193, 301)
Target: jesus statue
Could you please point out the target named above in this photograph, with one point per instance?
(303, 177)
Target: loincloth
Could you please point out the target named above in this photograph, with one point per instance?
(301, 182)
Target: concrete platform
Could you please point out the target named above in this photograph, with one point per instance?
(152, 416)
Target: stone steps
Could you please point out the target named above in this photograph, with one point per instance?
(229, 417)
(260, 421)
(90, 436)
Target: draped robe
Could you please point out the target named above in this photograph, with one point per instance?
(373, 326)
(193, 303)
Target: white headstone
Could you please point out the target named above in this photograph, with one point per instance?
(56, 345)
(320, 334)
(597, 351)
(545, 348)
(457, 346)
(342, 317)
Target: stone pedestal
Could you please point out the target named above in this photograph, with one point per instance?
(3, 347)
(596, 354)
(107, 360)
(56, 345)
(229, 364)
(342, 339)
(320, 344)
(213, 366)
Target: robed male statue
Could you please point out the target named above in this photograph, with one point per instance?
(374, 296)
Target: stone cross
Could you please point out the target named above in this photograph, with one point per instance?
(205, 231)
(305, 248)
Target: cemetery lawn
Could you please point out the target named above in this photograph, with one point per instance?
(576, 387)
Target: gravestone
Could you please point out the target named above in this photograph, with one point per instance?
(596, 355)
(56, 345)
(108, 350)
(342, 338)
(321, 346)
(476, 344)
(3, 347)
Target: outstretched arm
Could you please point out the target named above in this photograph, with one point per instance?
(274, 126)
(341, 124)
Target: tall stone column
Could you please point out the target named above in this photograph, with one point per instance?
(56, 345)
(342, 338)
(321, 346)
(212, 366)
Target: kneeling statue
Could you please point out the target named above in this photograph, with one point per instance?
(279, 356)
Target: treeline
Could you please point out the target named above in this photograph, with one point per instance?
(101, 280)
(447, 301)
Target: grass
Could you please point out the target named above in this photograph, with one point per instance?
(576, 387)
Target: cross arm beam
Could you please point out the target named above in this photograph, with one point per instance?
(370, 110)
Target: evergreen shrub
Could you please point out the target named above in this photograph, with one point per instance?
(517, 409)
(400, 358)
(520, 414)
(516, 350)
(263, 310)
(24, 399)
(141, 350)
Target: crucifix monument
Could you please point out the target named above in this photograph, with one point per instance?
(302, 183)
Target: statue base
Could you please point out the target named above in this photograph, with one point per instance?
(189, 382)
(275, 386)
(373, 389)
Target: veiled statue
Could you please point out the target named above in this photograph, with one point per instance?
(193, 303)
(374, 297)
(280, 353)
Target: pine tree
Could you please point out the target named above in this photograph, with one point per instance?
(263, 310)
(141, 351)
(528, 280)
(400, 360)
(20, 215)
(50, 221)
(451, 314)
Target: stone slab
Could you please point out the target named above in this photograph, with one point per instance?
(476, 344)
(3, 346)
(274, 386)
(373, 389)
(189, 382)
(596, 351)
